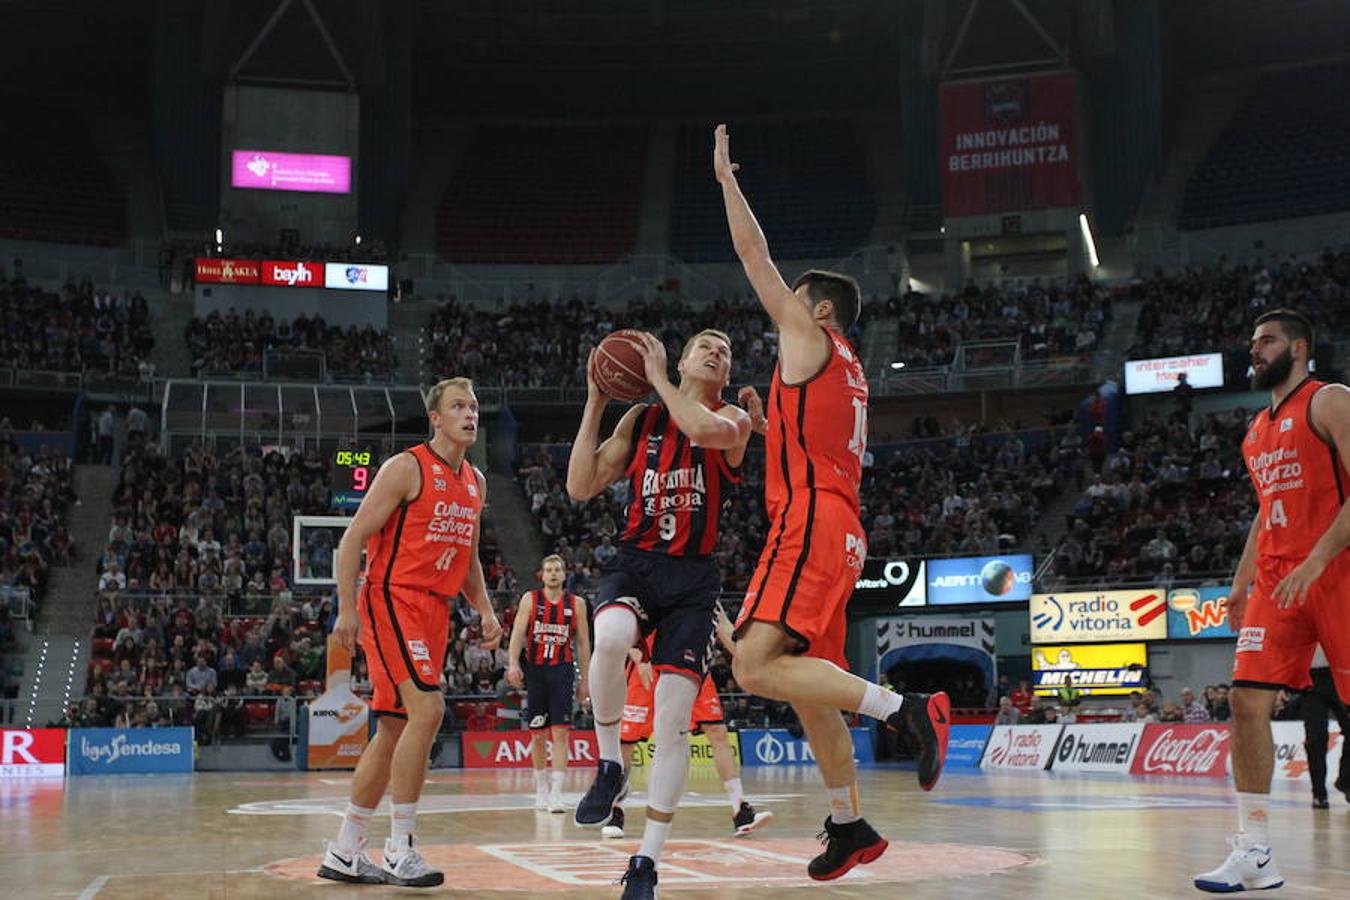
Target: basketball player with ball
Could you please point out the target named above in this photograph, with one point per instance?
(419, 525)
(791, 628)
(680, 456)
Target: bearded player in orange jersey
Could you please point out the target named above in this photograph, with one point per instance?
(419, 525)
(791, 628)
(1291, 590)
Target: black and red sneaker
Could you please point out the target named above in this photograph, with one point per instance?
(926, 722)
(846, 846)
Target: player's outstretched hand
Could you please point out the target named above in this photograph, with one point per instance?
(750, 401)
(723, 167)
(492, 632)
(346, 629)
(654, 362)
(1237, 608)
(1293, 588)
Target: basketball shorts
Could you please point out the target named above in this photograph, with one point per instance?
(638, 709)
(404, 636)
(672, 595)
(548, 695)
(805, 576)
(1275, 646)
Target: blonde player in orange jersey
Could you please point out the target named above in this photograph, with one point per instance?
(791, 628)
(419, 525)
(1291, 590)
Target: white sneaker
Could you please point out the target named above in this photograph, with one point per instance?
(354, 868)
(405, 867)
(541, 799)
(614, 829)
(556, 804)
(1250, 867)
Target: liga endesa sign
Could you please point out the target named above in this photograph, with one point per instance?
(214, 270)
(1009, 144)
(511, 749)
(32, 753)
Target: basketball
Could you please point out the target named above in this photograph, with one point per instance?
(618, 366)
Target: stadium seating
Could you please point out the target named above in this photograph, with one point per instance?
(1283, 155)
(231, 344)
(75, 329)
(53, 185)
(806, 180)
(544, 194)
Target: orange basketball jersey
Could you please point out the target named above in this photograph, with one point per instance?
(428, 542)
(816, 434)
(1298, 476)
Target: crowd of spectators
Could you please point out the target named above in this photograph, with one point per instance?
(234, 344)
(36, 494)
(75, 329)
(1210, 309)
(291, 248)
(1045, 319)
(541, 343)
(1172, 501)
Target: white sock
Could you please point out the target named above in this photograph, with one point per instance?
(402, 821)
(1254, 817)
(541, 779)
(654, 836)
(615, 634)
(843, 804)
(734, 793)
(879, 703)
(354, 823)
(555, 782)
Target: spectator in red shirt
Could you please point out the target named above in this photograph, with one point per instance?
(480, 720)
(1023, 698)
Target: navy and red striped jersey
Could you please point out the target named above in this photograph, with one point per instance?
(552, 630)
(675, 489)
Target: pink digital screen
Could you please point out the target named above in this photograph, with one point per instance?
(273, 171)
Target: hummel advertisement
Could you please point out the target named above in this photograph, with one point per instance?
(1096, 616)
(979, 579)
(887, 584)
(130, 751)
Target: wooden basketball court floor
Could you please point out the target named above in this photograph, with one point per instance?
(1019, 835)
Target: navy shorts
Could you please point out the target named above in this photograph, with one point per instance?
(548, 695)
(675, 596)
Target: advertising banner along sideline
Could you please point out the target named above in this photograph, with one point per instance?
(1097, 747)
(130, 751)
(777, 747)
(700, 751)
(336, 726)
(966, 745)
(1183, 751)
(511, 749)
(1099, 616)
(1020, 747)
(32, 753)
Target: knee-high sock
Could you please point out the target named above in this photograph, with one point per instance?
(673, 702)
(616, 631)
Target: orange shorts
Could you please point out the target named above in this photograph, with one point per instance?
(637, 708)
(805, 578)
(404, 635)
(1275, 646)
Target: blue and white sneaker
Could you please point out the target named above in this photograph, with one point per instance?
(1250, 867)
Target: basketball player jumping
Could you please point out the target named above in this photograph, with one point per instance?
(1291, 590)
(706, 717)
(679, 456)
(549, 619)
(419, 524)
(791, 628)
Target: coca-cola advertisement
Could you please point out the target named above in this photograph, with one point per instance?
(1183, 751)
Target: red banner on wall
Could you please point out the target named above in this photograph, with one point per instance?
(32, 752)
(215, 270)
(1009, 144)
(511, 749)
(288, 273)
(1183, 750)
